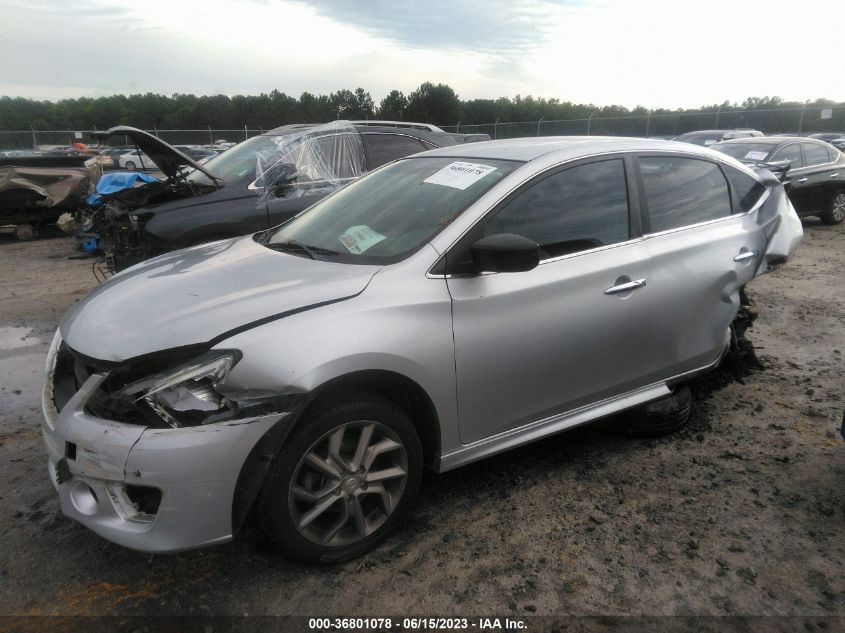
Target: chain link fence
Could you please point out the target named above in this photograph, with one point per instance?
(805, 120)
(49, 139)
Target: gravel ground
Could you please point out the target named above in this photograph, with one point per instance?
(741, 513)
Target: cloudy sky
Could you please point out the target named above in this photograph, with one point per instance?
(670, 53)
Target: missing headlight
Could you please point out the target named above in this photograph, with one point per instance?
(186, 395)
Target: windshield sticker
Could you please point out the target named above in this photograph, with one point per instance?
(359, 238)
(756, 155)
(709, 141)
(459, 175)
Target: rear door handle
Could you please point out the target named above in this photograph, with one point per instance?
(745, 256)
(626, 287)
(833, 176)
(804, 179)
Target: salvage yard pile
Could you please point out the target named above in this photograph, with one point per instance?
(739, 513)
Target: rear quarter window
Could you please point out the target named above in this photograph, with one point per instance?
(746, 190)
(683, 191)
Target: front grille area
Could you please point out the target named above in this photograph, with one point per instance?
(65, 381)
(73, 369)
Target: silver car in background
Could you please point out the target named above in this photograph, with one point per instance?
(444, 308)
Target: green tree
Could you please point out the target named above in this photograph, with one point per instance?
(433, 104)
(392, 107)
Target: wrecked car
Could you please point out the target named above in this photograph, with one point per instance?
(444, 308)
(257, 184)
(32, 197)
(812, 170)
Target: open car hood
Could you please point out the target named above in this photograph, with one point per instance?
(166, 157)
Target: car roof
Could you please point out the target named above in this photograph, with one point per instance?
(527, 149)
(370, 126)
(436, 137)
(769, 140)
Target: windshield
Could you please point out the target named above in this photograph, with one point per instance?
(757, 152)
(385, 216)
(237, 162)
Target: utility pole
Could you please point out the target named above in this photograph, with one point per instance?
(648, 123)
(588, 123)
(538, 125)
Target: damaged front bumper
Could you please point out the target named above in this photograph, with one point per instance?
(149, 489)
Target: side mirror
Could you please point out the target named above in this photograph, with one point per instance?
(505, 253)
(279, 178)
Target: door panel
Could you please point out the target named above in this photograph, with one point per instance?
(694, 286)
(528, 345)
(799, 193)
(697, 264)
(818, 172)
(280, 210)
(535, 343)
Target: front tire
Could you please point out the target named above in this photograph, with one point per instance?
(130, 165)
(835, 212)
(344, 480)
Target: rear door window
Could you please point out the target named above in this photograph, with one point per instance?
(576, 209)
(815, 154)
(383, 148)
(683, 191)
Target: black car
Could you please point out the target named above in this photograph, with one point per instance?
(814, 170)
(709, 137)
(259, 183)
(826, 136)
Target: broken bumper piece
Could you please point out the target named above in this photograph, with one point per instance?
(149, 489)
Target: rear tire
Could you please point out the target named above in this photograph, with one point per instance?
(25, 232)
(660, 417)
(130, 165)
(835, 212)
(346, 477)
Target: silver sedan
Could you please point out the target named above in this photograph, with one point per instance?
(444, 308)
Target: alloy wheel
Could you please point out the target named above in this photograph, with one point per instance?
(348, 483)
(838, 208)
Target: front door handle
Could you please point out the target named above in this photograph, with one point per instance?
(833, 176)
(804, 179)
(745, 256)
(626, 287)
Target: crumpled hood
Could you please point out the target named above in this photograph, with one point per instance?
(195, 295)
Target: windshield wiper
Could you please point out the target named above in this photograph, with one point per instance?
(311, 251)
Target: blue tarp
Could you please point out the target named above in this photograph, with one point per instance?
(116, 182)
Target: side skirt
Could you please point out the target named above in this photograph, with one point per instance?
(549, 426)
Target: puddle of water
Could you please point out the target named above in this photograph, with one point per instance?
(15, 337)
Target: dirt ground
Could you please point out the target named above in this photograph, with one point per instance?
(741, 513)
